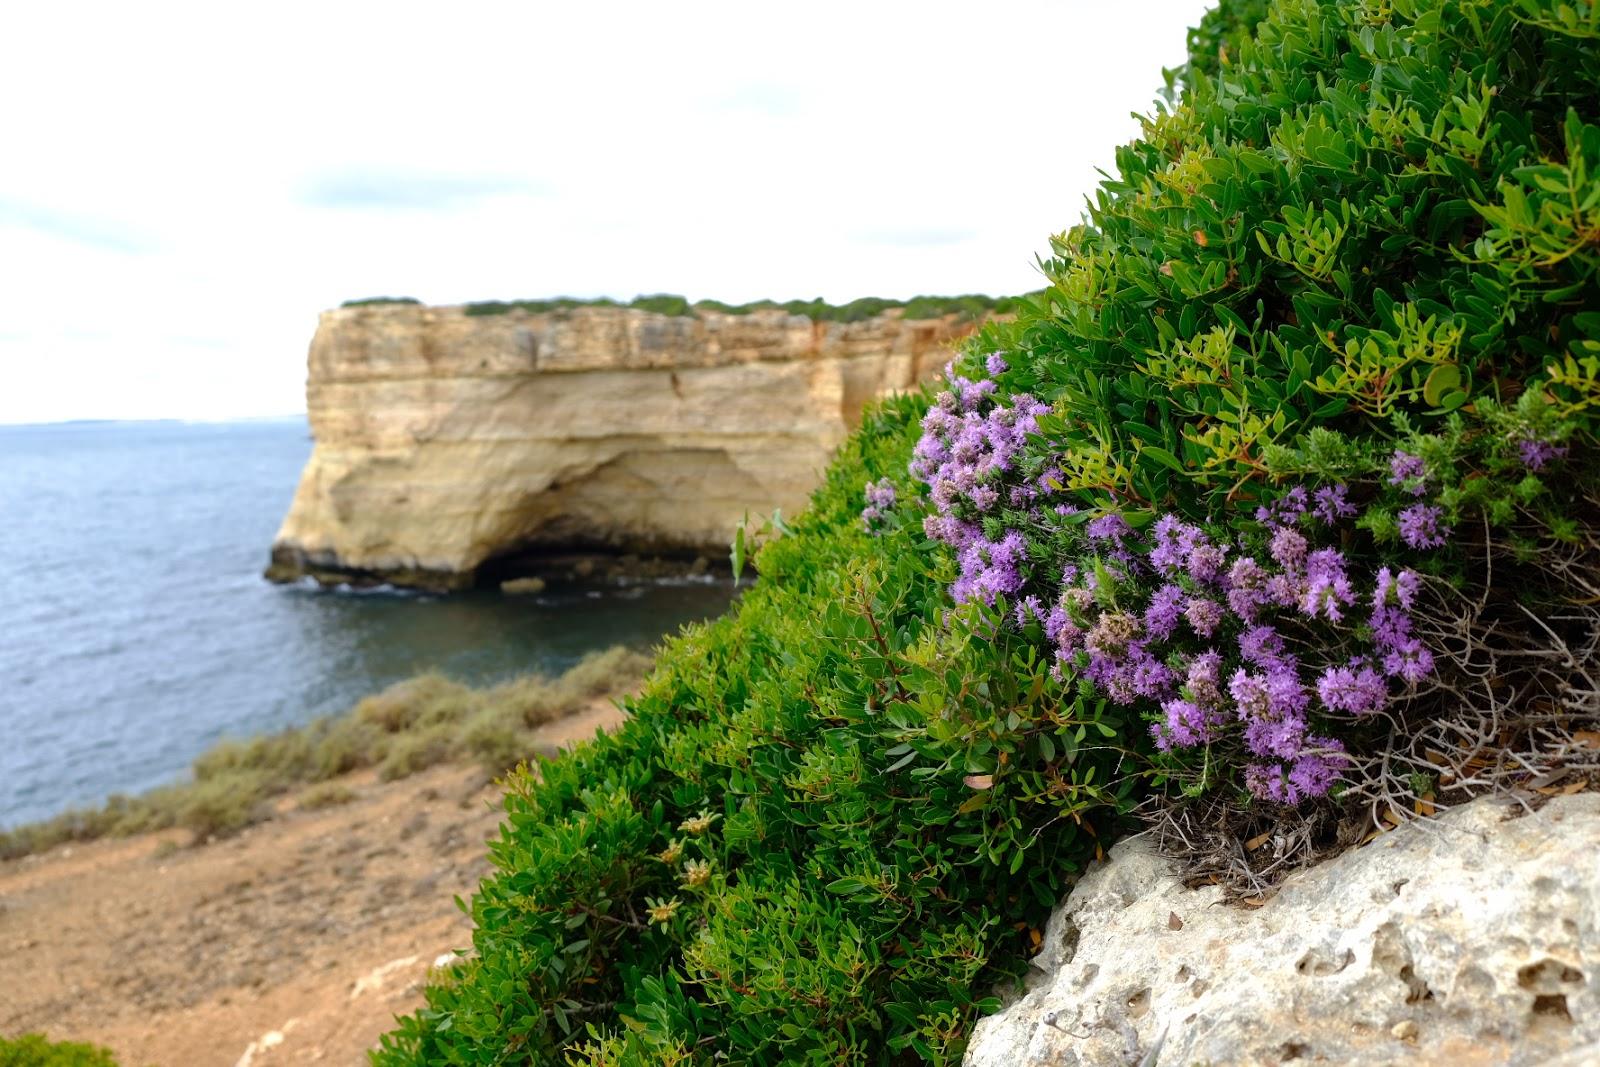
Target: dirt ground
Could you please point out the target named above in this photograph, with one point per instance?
(296, 942)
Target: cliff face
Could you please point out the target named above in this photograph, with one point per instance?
(445, 440)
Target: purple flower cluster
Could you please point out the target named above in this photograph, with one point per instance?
(1422, 526)
(880, 498)
(964, 456)
(1245, 644)
(1537, 454)
(1200, 633)
(1408, 473)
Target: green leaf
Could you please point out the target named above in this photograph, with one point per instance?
(1444, 379)
(1162, 456)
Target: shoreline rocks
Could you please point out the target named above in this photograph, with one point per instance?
(1471, 939)
(444, 441)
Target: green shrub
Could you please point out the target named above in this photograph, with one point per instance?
(416, 750)
(374, 301)
(536, 307)
(344, 743)
(426, 700)
(222, 805)
(35, 1050)
(325, 795)
(971, 306)
(790, 852)
(663, 304)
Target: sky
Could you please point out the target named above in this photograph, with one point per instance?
(185, 186)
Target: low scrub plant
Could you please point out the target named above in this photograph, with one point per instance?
(36, 1050)
(325, 795)
(409, 727)
(378, 301)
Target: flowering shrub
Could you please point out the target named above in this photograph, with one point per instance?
(1279, 503)
(1288, 460)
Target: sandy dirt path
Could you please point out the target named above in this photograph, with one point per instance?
(297, 941)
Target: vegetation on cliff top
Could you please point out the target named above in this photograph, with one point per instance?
(971, 306)
(376, 301)
(1278, 506)
(410, 726)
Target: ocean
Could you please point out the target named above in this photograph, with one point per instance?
(136, 629)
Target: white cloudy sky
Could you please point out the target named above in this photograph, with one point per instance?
(184, 187)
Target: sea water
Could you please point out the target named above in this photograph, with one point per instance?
(136, 629)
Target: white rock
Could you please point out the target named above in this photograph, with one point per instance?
(374, 979)
(1472, 939)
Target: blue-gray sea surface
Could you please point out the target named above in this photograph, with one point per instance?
(136, 629)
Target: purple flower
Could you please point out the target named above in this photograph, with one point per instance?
(1173, 539)
(1311, 774)
(1356, 689)
(1285, 590)
(1316, 770)
(1186, 724)
(1391, 627)
(973, 392)
(1204, 679)
(1536, 454)
(1247, 588)
(1204, 615)
(1028, 609)
(1112, 633)
(990, 569)
(1275, 694)
(1205, 563)
(995, 364)
(1283, 738)
(1166, 607)
(1108, 527)
(1129, 675)
(1408, 660)
(1392, 589)
(1327, 587)
(1263, 646)
(1408, 472)
(1333, 505)
(1286, 510)
(1266, 781)
(1061, 631)
(1421, 526)
(880, 498)
(1288, 549)
(983, 497)
(1272, 706)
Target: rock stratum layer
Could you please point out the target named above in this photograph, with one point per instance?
(1470, 940)
(445, 440)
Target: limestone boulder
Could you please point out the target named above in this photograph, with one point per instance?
(1472, 939)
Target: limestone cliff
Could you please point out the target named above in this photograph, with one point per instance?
(445, 440)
